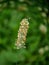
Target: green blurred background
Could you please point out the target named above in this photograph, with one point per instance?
(37, 42)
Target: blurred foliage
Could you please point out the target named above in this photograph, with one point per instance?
(11, 14)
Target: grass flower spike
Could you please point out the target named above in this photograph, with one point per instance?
(22, 33)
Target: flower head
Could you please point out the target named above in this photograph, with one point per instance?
(24, 25)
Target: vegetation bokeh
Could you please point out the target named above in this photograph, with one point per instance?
(37, 42)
